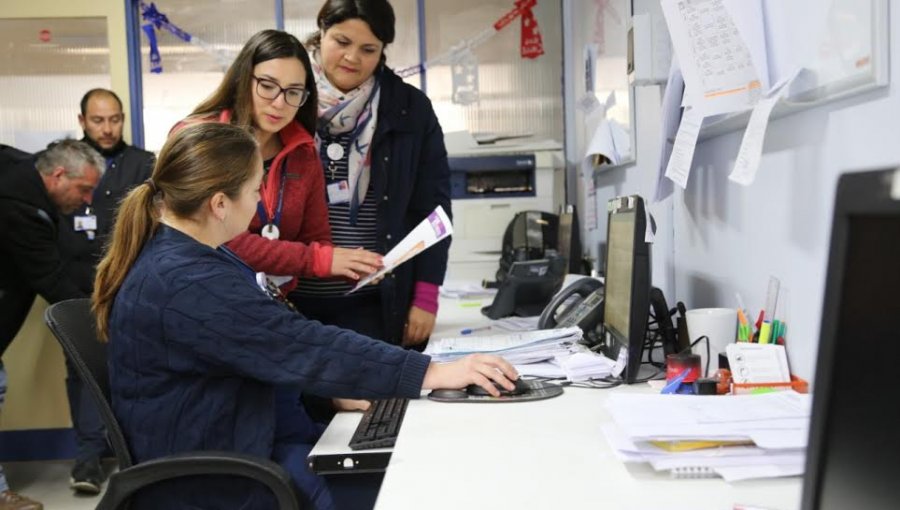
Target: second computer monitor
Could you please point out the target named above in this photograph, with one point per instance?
(627, 288)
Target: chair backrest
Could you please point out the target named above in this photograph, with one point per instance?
(72, 323)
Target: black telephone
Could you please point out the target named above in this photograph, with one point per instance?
(585, 307)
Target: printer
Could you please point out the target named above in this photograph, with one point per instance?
(489, 184)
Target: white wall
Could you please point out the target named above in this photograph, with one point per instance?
(725, 238)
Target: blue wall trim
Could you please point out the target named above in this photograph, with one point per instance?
(135, 85)
(423, 50)
(37, 444)
(279, 14)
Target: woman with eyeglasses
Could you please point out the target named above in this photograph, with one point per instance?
(385, 168)
(269, 88)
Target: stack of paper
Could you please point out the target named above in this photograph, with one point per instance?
(464, 290)
(584, 365)
(577, 365)
(513, 323)
(516, 348)
(735, 437)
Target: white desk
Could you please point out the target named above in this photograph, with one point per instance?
(549, 454)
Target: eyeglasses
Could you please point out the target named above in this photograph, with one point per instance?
(268, 89)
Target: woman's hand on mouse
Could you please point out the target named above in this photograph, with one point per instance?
(480, 369)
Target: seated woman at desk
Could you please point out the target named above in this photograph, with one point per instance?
(196, 347)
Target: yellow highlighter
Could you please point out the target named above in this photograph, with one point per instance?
(765, 332)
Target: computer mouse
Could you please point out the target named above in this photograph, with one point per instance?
(521, 387)
(449, 394)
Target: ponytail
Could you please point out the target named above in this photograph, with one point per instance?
(196, 162)
(136, 222)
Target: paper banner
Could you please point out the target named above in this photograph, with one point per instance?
(531, 44)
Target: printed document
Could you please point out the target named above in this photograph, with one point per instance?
(430, 231)
(679, 167)
(717, 62)
(747, 162)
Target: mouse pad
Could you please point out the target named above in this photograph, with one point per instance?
(537, 390)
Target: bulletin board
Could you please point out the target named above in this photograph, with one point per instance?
(850, 58)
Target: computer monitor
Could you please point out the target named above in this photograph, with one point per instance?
(627, 286)
(854, 442)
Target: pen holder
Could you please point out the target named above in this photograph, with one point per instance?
(797, 384)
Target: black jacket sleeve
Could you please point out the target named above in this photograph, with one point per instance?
(35, 253)
(432, 190)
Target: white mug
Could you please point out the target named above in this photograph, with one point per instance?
(719, 324)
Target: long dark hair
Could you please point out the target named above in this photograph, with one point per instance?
(235, 91)
(378, 14)
(195, 163)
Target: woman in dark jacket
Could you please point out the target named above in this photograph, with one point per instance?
(196, 347)
(385, 167)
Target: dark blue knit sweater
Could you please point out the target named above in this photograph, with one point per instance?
(195, 351)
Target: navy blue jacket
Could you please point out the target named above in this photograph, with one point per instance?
(411, 177)
(196, 349)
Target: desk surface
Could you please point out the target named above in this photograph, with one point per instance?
(549, 454)
(543, 455)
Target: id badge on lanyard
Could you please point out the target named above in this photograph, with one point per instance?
(86, 223)
(270, 228)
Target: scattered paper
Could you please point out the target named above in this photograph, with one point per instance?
(770, 430)
(747, 163)
(679, 167)
(513, 323)
(583, 366)
(610, 142)
(429, 232)
(465, 290)
(516, 348)
(671, 117)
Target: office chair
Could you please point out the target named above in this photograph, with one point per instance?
(72, 323)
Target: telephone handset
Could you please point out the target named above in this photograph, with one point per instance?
(585, 309)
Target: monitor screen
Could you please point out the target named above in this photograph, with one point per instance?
(854, 447)
(619, 269)
(627, 285)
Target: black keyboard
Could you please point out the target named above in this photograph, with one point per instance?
(380, 424)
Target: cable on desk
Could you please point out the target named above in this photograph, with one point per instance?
(598, 384)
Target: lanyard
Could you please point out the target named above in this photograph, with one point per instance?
(261, 209)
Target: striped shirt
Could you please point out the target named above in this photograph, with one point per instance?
(343, 234)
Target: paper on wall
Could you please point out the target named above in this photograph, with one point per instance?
(717, 64)
(610, 142)
(747, 163)
(679, 167)
(430, 231)
(748, 17)
(671, 116)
